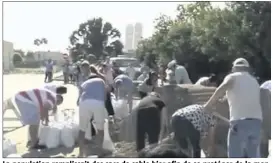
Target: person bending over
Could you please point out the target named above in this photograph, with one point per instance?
(91, 106)
(33, 106)
(151, 120)
(124, 87)
(198, 125)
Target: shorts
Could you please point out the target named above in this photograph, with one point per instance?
(92, 109)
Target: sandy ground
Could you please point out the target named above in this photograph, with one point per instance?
(13, 129)
(16, 132)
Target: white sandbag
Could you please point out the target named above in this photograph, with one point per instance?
(53, 137)
(67, 136)
(107, 141)
(121, 109)
(14, 156)
(9, 147)
(43, 133)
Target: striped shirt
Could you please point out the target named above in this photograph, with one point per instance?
(38, 97)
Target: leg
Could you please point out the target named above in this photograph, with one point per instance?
(84, 118)
(154, 129)
(130, 100)
(50, 76)
(192, 136)
(33, 133)
(236, 140)
(140, 132)
(179, 134)
(254, 138)
(46, 76)
(195, 141)
(99, 115)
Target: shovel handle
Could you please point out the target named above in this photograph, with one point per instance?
(220, 117)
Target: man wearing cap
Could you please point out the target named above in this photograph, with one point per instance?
(180, 72)
(243, 95)
(124, 87)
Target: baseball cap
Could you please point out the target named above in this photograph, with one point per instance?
(240, 62)
(85, 62)
(172, 63)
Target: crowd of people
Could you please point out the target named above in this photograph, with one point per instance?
(191, 125)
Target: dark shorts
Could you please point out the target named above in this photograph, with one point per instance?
(142, 94)
(184, 133)
(148, 122)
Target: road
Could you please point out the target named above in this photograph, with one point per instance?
(15, 131)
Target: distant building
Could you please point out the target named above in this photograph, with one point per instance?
(129, 35)
(8, 56)
(45, 55)
(137, 34)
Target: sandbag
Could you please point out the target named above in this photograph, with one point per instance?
(67, 136)
(9, 147)
(121, 109)
(53, 137)
(107, 141)
(43, 133)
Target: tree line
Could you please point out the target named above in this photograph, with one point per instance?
(95, 38)
(207, 39)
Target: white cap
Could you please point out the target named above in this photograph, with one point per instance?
(171, 64)
(240, 62)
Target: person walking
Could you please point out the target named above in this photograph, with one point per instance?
(49, 70)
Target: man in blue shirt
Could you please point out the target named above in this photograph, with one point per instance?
(91, 107)
(124, 88)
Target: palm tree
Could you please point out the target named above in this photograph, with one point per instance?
(38, 42)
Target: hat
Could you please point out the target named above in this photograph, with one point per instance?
(240, 62)
(85, 62)
(171, 64)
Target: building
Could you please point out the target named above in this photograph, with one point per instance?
(45, 55)
(129, 34)
(137, 34)
(8, 56)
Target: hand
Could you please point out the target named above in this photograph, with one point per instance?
(208, 109)
(111, 119)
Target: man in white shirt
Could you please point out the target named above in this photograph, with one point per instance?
(243, 95)
(181, 74)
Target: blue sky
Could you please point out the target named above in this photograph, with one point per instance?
(25, 21)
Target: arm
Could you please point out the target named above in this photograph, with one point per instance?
(80, 92)
(220, 91)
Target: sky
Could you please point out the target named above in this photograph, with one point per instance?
(25, 21)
